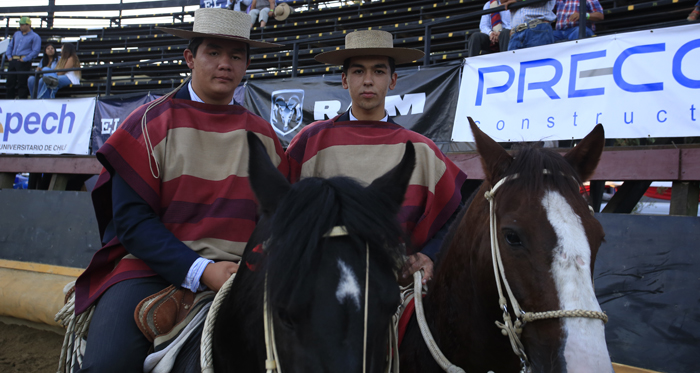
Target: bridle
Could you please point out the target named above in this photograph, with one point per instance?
(272, 361)
(510, 328)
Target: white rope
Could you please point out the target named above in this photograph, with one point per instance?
(364, 346)
(150, 150)
(76, 331)
(439, 357)
(271, 364)
(205, 349)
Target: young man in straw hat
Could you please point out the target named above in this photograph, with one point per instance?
(173, 202)
(365, 142)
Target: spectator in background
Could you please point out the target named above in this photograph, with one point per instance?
(568, 17)
(531, 25)
(495, 32)
(693, 16)
(239, 5)
(69, 59)
(260, 10)
(48, 62)
(22, 49)
(282, 11)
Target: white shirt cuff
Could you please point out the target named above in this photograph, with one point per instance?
(195, 274)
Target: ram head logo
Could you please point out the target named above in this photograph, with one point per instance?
(287, 110)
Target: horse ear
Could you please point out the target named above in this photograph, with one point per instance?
(394, 183)
(584, 157)
(494, 159)
(268, 184)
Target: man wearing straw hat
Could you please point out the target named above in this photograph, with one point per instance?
(173, 202)
(365, 142)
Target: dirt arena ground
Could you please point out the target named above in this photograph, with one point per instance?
(28, 350)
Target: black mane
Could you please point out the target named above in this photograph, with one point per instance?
(311, 209)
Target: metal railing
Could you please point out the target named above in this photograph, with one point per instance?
(295, 45)
(108, 67)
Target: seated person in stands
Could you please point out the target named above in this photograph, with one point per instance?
(531, 25)
(239, 5)
(693, 16)
(261, 10)
(495, 32)
(48, 62)
(568, 17)
(69, 59)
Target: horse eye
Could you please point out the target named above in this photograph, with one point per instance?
(512, 238)
(284, 318)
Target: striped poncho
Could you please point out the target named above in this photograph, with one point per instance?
(365, 150)
(200, 190)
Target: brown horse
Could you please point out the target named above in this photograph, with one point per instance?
(548, 242)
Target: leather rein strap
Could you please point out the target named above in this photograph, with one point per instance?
(272, 362)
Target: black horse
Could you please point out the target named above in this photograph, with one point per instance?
(316, 287)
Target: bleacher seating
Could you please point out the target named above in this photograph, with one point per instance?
(314, 27)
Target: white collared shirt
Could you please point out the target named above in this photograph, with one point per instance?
(385, 119)
(194, 97)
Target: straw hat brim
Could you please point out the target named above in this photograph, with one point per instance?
(286, 10)
(185, 34)
(400, 55)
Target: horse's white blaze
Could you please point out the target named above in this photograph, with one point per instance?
(348, 287)
(584, 345)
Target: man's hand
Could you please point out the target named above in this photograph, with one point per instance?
(493, 36)
(215, 274)
(573, 17)
(271, 12)
(507, 2)
(414, 263)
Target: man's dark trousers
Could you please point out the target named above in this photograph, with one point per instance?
(480, 43)
(18, 83)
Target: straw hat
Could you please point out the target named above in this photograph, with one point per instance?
(282, 11)
(369, 43)
(222, 24)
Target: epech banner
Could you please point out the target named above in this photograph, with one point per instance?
(424, 101)
(60, 126)
(637, 84)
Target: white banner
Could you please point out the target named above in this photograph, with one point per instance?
(59, 126)
(638, 84)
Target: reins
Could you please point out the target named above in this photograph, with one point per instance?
(511, 329)
(272, 362)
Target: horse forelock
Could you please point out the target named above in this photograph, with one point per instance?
(311, 208)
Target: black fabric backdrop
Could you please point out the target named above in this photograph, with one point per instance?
(114, 110)
(298, 97)
(647, 279)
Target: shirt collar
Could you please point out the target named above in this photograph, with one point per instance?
(196, 98)
(385, 119)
